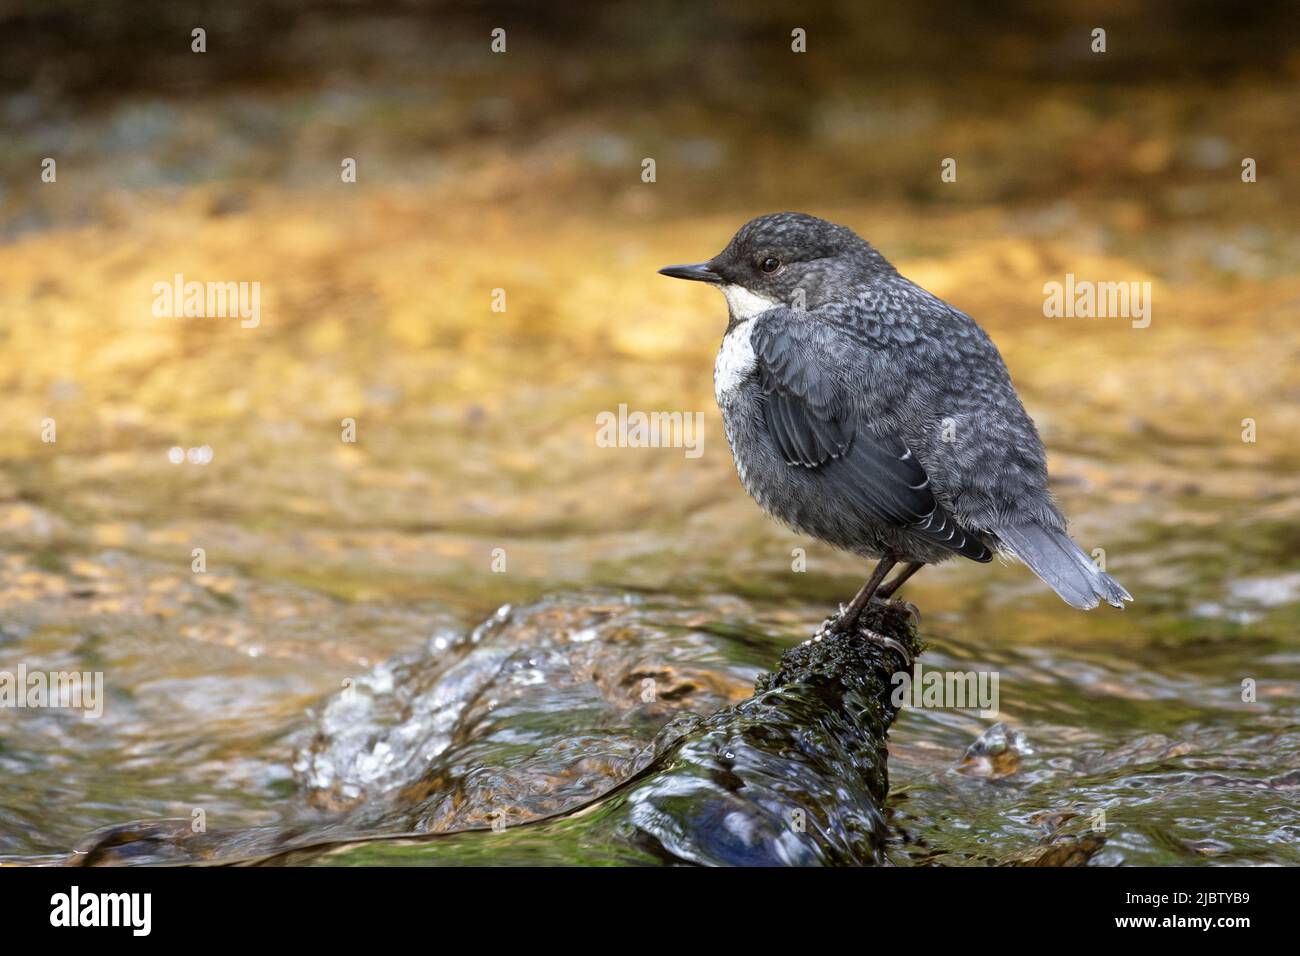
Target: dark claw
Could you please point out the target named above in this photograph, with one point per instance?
(888, 642)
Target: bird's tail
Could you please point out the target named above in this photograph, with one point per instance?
(1062, 564)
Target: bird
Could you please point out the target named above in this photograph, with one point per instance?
(865, 412)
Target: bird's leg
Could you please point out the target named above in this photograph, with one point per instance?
(886, 590)
(849, 617)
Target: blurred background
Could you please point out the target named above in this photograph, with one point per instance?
(521, 171)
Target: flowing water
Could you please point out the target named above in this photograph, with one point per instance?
(343, 668)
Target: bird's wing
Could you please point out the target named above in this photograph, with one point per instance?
(809, 414)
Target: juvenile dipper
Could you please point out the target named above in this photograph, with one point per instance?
(866, 412)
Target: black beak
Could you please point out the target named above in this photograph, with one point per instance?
(700, 272)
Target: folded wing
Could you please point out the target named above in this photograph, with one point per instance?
(809, 415)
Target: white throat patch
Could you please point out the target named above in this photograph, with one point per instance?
(745, 304)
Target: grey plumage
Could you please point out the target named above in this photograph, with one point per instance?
(866, 412)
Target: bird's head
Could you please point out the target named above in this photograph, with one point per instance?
(786, 259)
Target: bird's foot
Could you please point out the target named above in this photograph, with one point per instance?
(838, 624)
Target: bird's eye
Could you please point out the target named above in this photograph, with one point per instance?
(770, 265)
